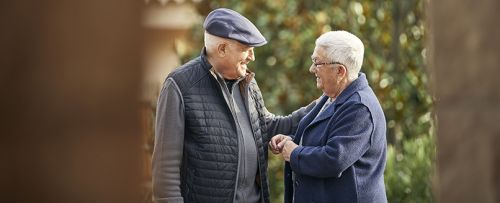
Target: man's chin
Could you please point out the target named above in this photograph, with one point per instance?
(320, 87)
(242, 72)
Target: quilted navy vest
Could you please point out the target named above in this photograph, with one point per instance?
(210, 159)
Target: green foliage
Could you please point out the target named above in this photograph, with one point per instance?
(407, 171)
(393, 33)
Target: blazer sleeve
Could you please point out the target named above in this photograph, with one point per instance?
(348, 139)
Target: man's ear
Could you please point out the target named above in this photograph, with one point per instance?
(222, 49)
(342, 70)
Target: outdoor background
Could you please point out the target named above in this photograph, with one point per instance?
(393, 33)
(79, 81)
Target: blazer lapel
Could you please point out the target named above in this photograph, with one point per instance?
(308, 118)
(311, 119)
(327, 113)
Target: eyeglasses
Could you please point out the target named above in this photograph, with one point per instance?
(317, 65)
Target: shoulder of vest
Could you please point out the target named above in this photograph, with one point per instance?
(189, 74)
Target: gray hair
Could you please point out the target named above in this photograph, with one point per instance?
(212, 41)
(345, 48)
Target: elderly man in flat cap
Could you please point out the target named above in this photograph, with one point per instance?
(212, 128)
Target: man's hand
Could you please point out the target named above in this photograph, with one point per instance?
(276, 140)
(287, 148)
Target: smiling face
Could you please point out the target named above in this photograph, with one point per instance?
(235, 57)
(328, 75)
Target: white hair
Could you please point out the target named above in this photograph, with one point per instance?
(212, 41)
(343, 47)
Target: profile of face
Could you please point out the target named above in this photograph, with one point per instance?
(235, 58)
(329, 74)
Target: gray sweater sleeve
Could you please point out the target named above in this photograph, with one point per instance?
(286, 124)
(168, 146)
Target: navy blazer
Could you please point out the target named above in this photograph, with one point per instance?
(343, 152)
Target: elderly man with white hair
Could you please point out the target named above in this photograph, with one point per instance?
(212, 127)
(338, 152)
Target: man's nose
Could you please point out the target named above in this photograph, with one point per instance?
(312, 69)
(251, 56)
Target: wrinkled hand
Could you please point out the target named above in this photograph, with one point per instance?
(287, 149)
(274, 144)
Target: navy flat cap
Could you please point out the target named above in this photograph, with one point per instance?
(229, 24)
